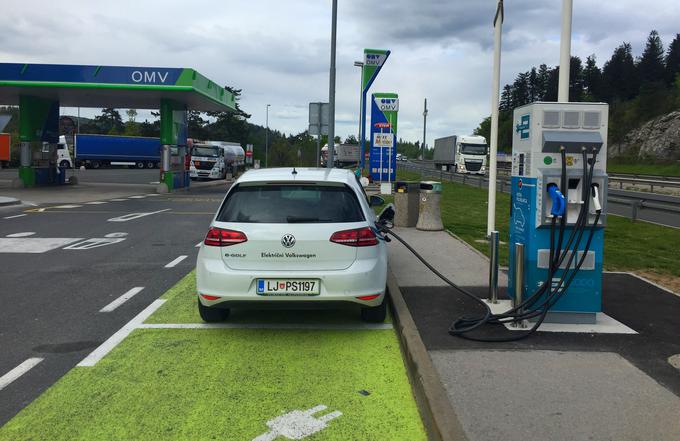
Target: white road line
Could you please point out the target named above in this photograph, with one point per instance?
(175, 262)
(322, 326)
(133, 216)
(122, 299)
(199, 244)
(67, 206)
(153, 194)
(117, 200)
(95, 203)
(137, 197)
(15, 216)
(120, 335)
(18, 371)
(26, 234)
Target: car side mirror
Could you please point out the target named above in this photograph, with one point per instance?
(386, 216)
(376, 201)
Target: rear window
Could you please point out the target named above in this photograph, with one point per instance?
(287, 204)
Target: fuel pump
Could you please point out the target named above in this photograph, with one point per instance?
(558, 200)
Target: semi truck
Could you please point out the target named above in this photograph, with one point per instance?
(207, 162)
(344, 155)
(462, 154)
(95, 151)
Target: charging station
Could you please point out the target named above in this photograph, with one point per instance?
(558, 206)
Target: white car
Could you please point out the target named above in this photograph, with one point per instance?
(291, 237)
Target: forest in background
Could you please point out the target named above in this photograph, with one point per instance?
(636, 89)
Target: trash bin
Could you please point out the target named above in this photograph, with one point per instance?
(430, 218)
(406, 197)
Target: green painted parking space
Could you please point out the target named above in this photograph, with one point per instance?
(226, 384)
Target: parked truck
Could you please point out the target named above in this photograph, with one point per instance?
(95, 151)
(207, 162)
(462, 154)
(344, 155)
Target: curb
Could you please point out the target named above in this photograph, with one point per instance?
(439, 417)
(7, 202)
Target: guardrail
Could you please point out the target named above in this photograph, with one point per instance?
(636, 200)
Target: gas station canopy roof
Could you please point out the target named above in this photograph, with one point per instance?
(112, 86)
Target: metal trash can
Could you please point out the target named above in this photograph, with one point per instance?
(430, 218)
(406, 197)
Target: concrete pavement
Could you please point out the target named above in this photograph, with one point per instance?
(552, 385)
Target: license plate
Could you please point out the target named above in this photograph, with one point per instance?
(287, 287)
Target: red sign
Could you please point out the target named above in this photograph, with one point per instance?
(382, 125)
(249, 153)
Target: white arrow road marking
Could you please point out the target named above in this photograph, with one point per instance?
(175, 262)
(133, 216)
(15, 216)
(95, 242)
(34, 244)
(18, 371)
(26, 234)
(298, 424)
(122, 299)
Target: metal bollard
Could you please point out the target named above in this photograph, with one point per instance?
(493, 267)
(519, 282)
(635, 207)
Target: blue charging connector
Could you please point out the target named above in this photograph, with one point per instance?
(558, 202)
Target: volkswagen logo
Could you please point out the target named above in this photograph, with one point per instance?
(288, 240)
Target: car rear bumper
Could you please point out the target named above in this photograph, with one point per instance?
(364, 277)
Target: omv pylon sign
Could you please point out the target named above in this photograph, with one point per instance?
(383, 153)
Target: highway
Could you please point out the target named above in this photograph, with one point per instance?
(645, 206)
(73, 274)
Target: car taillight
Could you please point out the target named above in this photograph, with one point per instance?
(361, 237)
(217, 237)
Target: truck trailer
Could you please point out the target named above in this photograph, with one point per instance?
(95, 151)
(462, 154)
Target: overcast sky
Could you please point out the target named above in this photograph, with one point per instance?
(277, 51)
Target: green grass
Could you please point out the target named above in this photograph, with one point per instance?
(614, 166)
(225, 384)
(628, 246)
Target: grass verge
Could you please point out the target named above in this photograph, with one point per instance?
(629, 246)
(614, 166)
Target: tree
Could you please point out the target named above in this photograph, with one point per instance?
(672, 60)
(131, 126)
(620, 75)
(592, 80)
(542, 80)
(109, 121)
(576, 91)
(230, 126)
(506, 98)
(351, 139)
(651, 67)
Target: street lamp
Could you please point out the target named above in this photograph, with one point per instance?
(422, 147)
(266, 141)
(360, 64)
(331, 88)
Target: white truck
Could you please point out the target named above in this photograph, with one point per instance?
(462, 154)
(207, 162)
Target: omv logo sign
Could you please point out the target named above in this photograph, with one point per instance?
(524, 126)
(387, 104)
(145, 76)
(375, 60)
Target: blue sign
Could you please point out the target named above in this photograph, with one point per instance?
(383, 153)
(66, 73)
(524, 126)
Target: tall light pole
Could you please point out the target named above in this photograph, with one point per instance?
(422, 147)
(360, 64)
(565, 51)
(266, 141)
(495, 96)
(331, 90)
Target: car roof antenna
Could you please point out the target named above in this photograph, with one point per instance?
(294, 172)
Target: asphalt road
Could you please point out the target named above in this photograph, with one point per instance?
(117, 175)
(51, 300)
